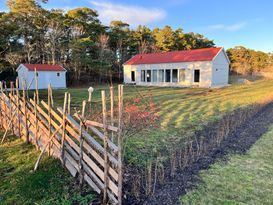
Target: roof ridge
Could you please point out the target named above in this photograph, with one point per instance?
(202, 54)
(164, 52)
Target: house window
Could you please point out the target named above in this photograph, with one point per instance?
(175, 75)
(143, 76)
(196, 76)
(182, 75)
(167, 75)
(161, 75)
(58, 74)
(149, 73)
(133, 76)
(154, 76)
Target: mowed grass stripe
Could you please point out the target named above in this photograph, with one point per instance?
(182, 111)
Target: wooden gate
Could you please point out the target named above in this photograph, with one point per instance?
(86, 148)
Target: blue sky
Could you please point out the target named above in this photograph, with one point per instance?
(228, 22)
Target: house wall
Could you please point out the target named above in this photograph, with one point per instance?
(203, 66)
(220, 69)
(44, 78)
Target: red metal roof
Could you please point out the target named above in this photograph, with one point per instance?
(44, 67)
(204, 54)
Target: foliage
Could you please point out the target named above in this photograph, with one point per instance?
(31, 34)
(246, 61)
(140, 115)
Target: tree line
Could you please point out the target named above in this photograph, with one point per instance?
(77, 40)
(89, 50)
(247, 61)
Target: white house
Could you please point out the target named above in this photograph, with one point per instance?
(207, 67)
(46, 74)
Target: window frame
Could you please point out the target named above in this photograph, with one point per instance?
(169, 77)
(172, 80)
(143, 76)
(155, 75)
(149, 79)
(161, 75)
(179, 74)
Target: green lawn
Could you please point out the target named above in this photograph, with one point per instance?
(49, 185)
(243, 179)
(182, 111)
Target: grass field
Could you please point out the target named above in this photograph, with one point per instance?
(242, 179)
(50, 184)
(182, 111)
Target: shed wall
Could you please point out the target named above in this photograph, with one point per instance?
(203, 66)
(44, 78)
(220, 70)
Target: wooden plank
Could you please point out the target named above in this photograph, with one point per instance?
(120, 143)
(100, 125)
(112, 110)
(94, 167)
(81, 143)
(91, 173)
(94, 154)
(101, 136)
(105, 146)
(64, 128)
(70, 164)
(88, 138)
(91, 183)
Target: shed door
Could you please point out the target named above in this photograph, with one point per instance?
(196, 76)
(133, 76)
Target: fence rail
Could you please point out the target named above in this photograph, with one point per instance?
(86, 148)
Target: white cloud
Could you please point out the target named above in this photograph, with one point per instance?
(133, 15)
(232, 27)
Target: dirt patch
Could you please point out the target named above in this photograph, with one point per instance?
(237, 141)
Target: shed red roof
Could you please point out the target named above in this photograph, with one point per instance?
(204, 54)
(44, 67)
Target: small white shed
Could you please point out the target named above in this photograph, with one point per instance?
(207, 67)
(46, 74)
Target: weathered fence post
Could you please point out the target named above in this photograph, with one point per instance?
(69, 104)
(105, 143)
(36, 120)
(36, 86)
(64, 129)
(120, 143)
(18, 106)
(49, 102)
(81, 144)
(25, 113)
(1, 105)
(112, 110)
(10, 96)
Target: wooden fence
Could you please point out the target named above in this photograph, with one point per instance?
(86, 148)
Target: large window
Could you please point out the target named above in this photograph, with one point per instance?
(149, 77)
(175, 75)
(161, 75)
(154, 76)
(143, 76)
(167, 75)
(182, 76)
